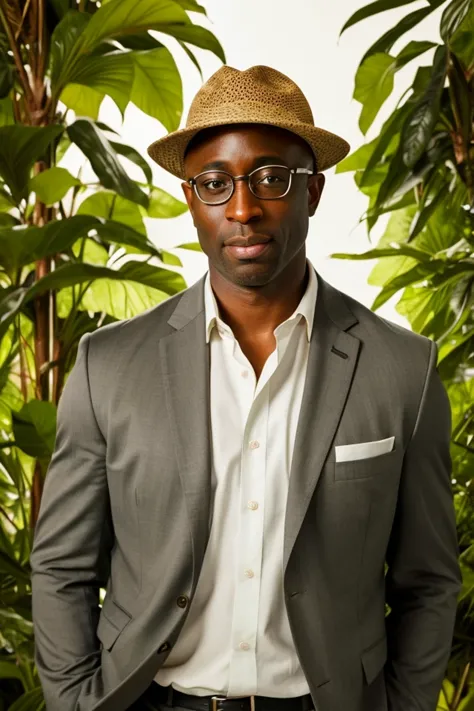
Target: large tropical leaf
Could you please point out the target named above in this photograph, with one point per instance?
(52, 185)
(20, 147)
(157, 88)
(121, 16)
(104, 161)
(373, 85)
(408, 22)
(453, 16)
(34, 428)
(163, 205)
(419, 128)
(66, 275)
(23, 245)
(373, 9)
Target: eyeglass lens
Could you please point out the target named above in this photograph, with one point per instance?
(265, 183)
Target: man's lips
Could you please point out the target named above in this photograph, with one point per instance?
(251, 249)
(247, 241)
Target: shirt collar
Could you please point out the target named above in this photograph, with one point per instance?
(305, 308)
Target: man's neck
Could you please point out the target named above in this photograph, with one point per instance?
(255, 313)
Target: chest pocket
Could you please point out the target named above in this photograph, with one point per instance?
(382, 465)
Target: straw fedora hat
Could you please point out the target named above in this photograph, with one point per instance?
(257, 95)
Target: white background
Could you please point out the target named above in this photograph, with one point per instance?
(301, 39)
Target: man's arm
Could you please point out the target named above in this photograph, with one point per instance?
(423, 579)
(72, 542)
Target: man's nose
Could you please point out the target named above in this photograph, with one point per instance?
(243, 206)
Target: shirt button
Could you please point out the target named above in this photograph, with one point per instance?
(252, 505)
(245, 373)
(254, 444)
(164, 647)
(244, 645)
(249, 573)
(182, 600)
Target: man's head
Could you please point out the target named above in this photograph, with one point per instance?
(238, 150)
(239, 118)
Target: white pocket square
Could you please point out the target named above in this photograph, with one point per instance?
(363, 450)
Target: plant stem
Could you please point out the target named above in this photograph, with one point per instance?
(19, 63)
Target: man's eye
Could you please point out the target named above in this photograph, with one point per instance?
(214, 185)
(271, 180)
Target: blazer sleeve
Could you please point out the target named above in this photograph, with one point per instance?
(71, 551)
(423, 578)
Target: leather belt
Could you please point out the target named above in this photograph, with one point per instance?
(172, 697)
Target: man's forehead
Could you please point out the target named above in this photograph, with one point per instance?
(267, 142)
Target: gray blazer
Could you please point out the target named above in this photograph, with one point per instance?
(126, 507)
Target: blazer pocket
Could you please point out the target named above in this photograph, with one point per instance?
(363, 450)
(379, 466)
(373, 659)
(112, 621)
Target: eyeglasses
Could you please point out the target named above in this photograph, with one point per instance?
(271, 182)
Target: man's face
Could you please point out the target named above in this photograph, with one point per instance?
(239, 150)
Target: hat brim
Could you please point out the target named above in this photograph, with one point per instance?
(327, 147)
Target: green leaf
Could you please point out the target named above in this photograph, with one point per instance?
(358, 159)
(462, 41)
(104, 161)
(193, 246)
(135, 157)
(192, 57)
(6, 75)
(63, 47)
(425, 215)
(412, 51)
(414, 275)
(120, 299)
(397, 230)
(419, 128)
(157, 88)
(453, 17)
(386, 42)
(111, 74)
(34, 428)
(21, 245)
(397, 249)
(52, 185)
(131, 16)
(30, 701)
(163, 205)
(9, 566)
(20, 147)
(197, 36)
(111, 206)
(191, 6)
(373, 85)
(6, 112)
(10, 670)
(373, 9)
(83, 100)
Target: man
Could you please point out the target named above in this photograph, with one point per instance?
(242, 464)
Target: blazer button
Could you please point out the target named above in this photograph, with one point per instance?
(164, 647)
(182, 601)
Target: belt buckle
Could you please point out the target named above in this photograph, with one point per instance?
(214, 700)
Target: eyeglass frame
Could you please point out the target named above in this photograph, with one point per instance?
(235, 178)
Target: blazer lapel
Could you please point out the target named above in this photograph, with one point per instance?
(331, 363)
(185, 364)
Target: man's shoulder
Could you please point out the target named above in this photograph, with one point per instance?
(386, 338)
(152, 322)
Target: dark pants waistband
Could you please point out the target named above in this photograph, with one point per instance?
(158, 694)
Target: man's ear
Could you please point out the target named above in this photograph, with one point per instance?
(315, 188)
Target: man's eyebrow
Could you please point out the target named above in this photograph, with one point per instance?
(257, 163)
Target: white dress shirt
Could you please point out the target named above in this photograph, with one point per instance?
(236, 640)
